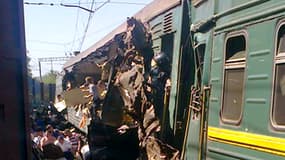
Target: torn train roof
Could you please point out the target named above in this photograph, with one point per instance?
(147, 13)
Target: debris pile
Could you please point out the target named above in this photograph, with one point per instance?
(129, 74)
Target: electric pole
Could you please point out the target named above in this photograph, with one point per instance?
(51, 60)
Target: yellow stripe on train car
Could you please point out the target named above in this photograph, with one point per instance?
(258, 142)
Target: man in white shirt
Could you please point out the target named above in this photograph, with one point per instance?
(65, 147)
(93, 93)
(38, 135)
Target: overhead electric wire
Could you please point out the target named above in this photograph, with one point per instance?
(91, 11)
(58, 4)
(87, 26)
(96, 31)
(66, 43)
(88, 22)
(76, 26)
(75, 6)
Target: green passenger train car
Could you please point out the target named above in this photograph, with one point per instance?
(242, 112)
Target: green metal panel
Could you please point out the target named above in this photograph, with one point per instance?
(202, 12)
(156, 26)
(177, 19)
(259, 77)
(216, 80)
(185, 78)
(193, 148)
(207, 59)
(175, 66)
(239, 12)
(223, 5)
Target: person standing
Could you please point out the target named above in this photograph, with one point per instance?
(37, 136)
(159, 76)
(65, 147)
(51, 130)
(47, 139)
(50, 150)
(74, 140)
(68, 79)
(94, 95)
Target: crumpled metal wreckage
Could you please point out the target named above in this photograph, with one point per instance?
(130, 77)
(128, 69)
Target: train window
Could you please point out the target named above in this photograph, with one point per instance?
(278, 111)
(281, 41)
(233, 79)
(233, 94)
(279, 98)
(235, 49)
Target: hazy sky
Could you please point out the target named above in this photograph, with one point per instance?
(55, 31)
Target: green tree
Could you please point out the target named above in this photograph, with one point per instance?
(50, 77)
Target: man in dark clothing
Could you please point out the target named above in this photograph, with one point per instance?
(159, 75)
(68, 78)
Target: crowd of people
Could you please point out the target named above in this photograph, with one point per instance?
(54, 138)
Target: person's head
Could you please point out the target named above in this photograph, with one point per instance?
(60, 139)
(59, 97)
(89, 80)
(51, 103)
(101, 83)
(65, 71)
(162, 61)
(67, 133)
(48, 133)
(49, 128)
(38, 131)
(68, 85)
(57, 132)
